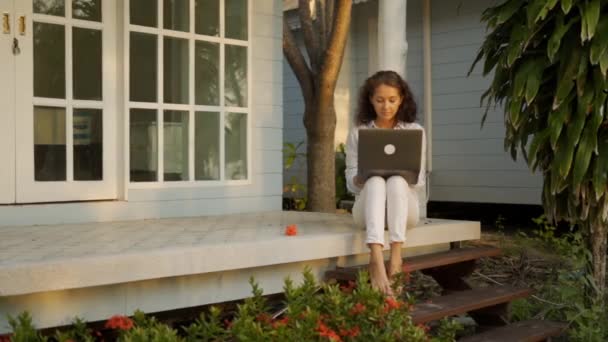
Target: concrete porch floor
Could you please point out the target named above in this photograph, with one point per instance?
(164, 264)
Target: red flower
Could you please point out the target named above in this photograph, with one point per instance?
(281, 322)
(119, 322)
(424, 327)
(5, 338)
(390, 304)
(264, 318)
(348, 288)
(228, 323)
(291, 230)
(325, 331)
(352, 332)
(357, 309)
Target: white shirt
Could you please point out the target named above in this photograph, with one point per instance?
(352, 158)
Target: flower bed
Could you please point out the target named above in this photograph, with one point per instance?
(353, 312)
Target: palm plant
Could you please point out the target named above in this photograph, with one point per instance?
(549, 60)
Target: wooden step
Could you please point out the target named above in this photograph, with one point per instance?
(421, 262)
(525, 331)
(461, 302)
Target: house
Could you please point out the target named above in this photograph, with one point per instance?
(467, 163)
(141, 146)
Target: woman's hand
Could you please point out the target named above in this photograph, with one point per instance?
(359, 181)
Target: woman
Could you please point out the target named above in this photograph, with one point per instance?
(385, 101)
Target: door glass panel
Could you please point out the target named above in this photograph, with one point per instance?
(176, 145)
(176, 70)
(86, 9)
(50, 7)
(236, 19)
(49, 144)
(88, 144)
(143, 145)
(87, 64)
(207, 17)
(143, 67)
(235, 137)
(143, 12)
(207, 146)
(236, 76)
(49, 60)
(176, 15)
(207, 73)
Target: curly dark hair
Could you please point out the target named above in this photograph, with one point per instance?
(366, 112)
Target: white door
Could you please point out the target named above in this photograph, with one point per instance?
(65, 100)
(7, 103)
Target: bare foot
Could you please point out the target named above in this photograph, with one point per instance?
(377, 271)
(378, 278)
(395, 267)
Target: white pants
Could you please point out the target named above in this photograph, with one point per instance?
(386, 202)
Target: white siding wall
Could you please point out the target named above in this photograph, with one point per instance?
(469, 162)
(263, 194)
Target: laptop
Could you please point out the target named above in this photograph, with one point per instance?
(389, 152)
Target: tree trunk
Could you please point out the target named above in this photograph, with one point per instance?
(599, 236)
(321, 180)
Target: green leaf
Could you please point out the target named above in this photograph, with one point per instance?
(581, 75)
(604, 63)
(566, 82)
(581, 9)
(566, 6)
(587, 145)
(514, 50)
(534, 80)
(533, 11)
(600, 171)
(599, 44)
(592, 17)
(507, 10)
(538, 141)
(558, 33)
(566, 144)
(549, 4)
(515, 114)
(556, 122)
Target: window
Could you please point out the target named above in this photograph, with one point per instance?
(188, 90)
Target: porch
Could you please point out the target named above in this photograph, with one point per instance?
(95, 270)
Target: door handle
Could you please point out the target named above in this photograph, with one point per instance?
(6, 23)
(21, 24)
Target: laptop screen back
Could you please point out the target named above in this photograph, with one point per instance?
(386, 152)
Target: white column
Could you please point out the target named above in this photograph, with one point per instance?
(392, 42)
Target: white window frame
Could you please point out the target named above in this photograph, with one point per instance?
(191, 108)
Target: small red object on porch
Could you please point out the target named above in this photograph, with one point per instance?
(291, 230)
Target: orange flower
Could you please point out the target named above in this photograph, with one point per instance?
(119, 322)
(291, 230)
(390, 304)
(281, 322)
(325, 331)
(357, 309)
(348, 288)
(352, 332)
(264, 318)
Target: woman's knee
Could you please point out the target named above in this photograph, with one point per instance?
(375, 182)
(396, 181)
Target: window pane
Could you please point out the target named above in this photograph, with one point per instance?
(143, 67)
(176, 145)
(144, 12)
(49, 60)
(50, 7)
(207, 17)
(236, 145)
(176, 70)
(236, 19)
(87, 64)
(176, 15)
(207, 73)
(88, 146)
(236, 76)
(87, 9)
(49, 144)
(207, 146)
(143, 145)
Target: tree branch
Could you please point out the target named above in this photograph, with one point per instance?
(296, 61)
(311, 39)
(321, 23)
(332, 59)
(330, 5)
